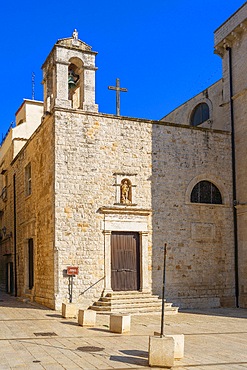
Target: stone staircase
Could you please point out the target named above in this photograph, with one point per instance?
(133, 302)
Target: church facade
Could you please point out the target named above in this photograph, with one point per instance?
(105, 193)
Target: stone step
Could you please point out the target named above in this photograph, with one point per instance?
(135, 310)
(130, 293)
(129, 296)
(131, 302)
(127, 304)
(119, 305)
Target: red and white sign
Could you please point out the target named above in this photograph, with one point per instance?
(72, 270)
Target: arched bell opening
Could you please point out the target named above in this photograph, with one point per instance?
(75, 83)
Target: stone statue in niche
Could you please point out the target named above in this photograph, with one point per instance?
(125, 194)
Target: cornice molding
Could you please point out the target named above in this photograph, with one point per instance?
(125, 210)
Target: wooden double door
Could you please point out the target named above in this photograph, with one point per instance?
(125, 261)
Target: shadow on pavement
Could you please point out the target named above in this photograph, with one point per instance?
(130, 360)
(213, 365)
(225, 312)
(102, 330)
(55, 315)
(135, 352)
(6, 300)
(69, 323)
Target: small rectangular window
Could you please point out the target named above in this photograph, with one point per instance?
(28, 179)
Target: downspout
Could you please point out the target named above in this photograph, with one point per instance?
(234, 191)
(15, 249)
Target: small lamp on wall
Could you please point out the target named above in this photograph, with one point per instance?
(3, 233)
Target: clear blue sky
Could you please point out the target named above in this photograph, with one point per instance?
(162, 50)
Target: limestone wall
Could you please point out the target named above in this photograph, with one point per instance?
(239, 75)
(231, 45)
(6, 211)
(35, 215)
(218, 110)
(90, 149)
(77, 160)
(230, 24)
(199, 237)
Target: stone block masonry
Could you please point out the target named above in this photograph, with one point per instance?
(76, 159)
(166, 158)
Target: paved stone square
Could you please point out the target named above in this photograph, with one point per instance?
(32, 337)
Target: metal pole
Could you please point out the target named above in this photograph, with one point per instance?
(163, 296)
(234, 177)
(71, 288)
(69, 291)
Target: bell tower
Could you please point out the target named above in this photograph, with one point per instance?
(69, 76)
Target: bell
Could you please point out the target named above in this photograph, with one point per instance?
(72, 78)
(71, 82)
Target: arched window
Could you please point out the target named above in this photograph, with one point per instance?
(205, 192)
(199, 114)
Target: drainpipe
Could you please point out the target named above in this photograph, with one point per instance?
(234, 191)
(15, 257)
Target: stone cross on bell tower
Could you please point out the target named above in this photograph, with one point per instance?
(69, 76)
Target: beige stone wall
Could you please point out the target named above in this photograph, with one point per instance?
(241, 174)
(199, 237)
(213, 97)
(239, 76)
(242, 255)
(6, 209)
(231, 43)
(35, 215)
(230, 24)
(29, 118)
(30, 112)
(77, 161)
(90, 149)
(166, 160)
